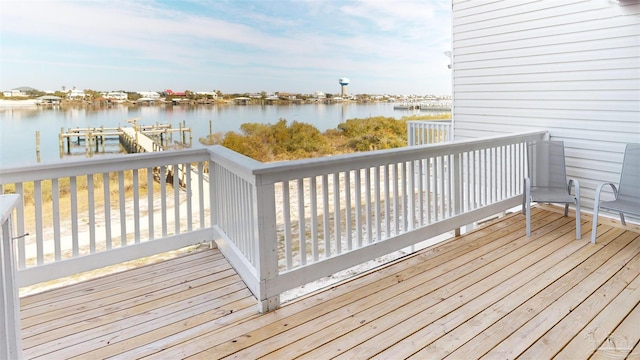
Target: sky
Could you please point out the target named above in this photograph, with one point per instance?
(235, 46)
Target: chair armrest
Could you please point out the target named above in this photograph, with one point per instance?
(572, 181)
(596, 207)
(599, 190)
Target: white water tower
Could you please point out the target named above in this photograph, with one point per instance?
(343, 82)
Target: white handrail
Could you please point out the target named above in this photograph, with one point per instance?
(421, 132)
(281, 225)
(10, 338)
(327, 214)
(89, 213)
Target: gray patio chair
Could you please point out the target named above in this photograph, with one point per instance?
(547, 180)
(627, 194)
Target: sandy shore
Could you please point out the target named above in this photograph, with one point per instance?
(17, 103)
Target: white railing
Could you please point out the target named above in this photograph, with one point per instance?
(428, 132)
(281, 225)
(10, 339)
(83, 215)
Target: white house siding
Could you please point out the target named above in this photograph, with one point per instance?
(569, 66)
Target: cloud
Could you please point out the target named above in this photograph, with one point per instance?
(247, 37)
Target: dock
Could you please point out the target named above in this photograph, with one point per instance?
(134, 139)
(406, 106)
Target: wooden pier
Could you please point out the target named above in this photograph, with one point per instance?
(134, 139)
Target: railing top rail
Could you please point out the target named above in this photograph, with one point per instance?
(7, 203)
(330, 164)
(241, 165)
(106, 163)
(444, 121)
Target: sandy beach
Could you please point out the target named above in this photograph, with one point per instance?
(17, 103)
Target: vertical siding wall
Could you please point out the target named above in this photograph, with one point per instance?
(569, 66)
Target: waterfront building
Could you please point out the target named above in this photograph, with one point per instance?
(149, 94)
(116, 95)
(76, 95)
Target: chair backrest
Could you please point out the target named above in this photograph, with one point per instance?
(545, 161)
(629, 187)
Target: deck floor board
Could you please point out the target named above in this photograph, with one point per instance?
(492, 292)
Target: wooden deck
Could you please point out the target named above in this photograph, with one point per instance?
(492, 293)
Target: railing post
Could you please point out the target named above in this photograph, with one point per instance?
(267, 249)
(10, 337)
(458, 197)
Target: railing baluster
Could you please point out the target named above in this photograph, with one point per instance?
(326, 215)
(437, 187)
(358, 204)
(92, 214)
(286, 212)
(494, 174)
(163, 198)
(188, 191)
(107, 209)
(176, 198)
(201, 194)
(428, 188)
(313, 197)
(136, 206)
(37, 193)
(235, 210)
(404, 196)
(20, 223)
(301, 223)
(412, 204)
(150, 207)
(396, 203)
(248, 203)
(376, 185)
(368, 189)
(456, 184)
(348, 219)
(421, 196)
(73, 189)
(55, 208)
(123, 214)
(387, 202)
(337, 219)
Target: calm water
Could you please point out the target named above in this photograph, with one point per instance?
(18, 126)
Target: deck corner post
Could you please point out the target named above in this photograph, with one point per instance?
(10, 335)
(267, 244)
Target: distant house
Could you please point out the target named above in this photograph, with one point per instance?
(242, 100)
(287, 96)
(319, 95)
(76, 95)
(149, 94)
(19, 92)
(49, 100)
(116, 95)
(174, 93)
(210, 94)
(12, 93)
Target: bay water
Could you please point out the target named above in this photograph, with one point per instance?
(18, 125)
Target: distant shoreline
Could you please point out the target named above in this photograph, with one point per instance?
(18, 103)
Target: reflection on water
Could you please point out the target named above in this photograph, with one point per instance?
(18, 126)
